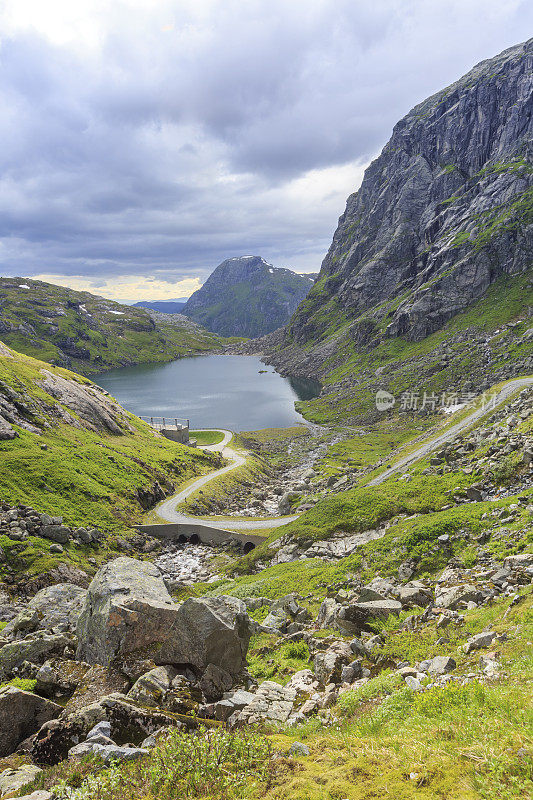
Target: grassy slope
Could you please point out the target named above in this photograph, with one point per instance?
(89, 478)
(441, 362)
(39, 320)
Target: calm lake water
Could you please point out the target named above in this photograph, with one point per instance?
(211, 391)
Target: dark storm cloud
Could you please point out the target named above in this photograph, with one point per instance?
(197, 131)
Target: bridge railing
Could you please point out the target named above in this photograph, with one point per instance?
(167, 423)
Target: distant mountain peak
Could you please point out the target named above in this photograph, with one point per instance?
(247, 296)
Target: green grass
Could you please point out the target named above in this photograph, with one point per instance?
(88, 478)
(207, 437)
(105, 334)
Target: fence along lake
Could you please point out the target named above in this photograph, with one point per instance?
(239, 393)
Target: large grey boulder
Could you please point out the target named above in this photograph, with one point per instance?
(453, 596)
(129, 614)
(36, 648)
(21, 714)
(130, 722)
(55, 607)
(357, 616)
(13, 780)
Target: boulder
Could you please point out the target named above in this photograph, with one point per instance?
(440, 665)
(272, 703)
(520, 561)
(129, 614)
(357, 616)
(164, 687)
(35, 648)
(479, 641)
(97, 682)
(60, 677)
(109, 753)
(328, 664)
(452, 596)
(21, 715)
(55, 607)
(130, 722)
(13, 780)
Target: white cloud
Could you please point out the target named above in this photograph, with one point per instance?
(127, 288)
(158, 137)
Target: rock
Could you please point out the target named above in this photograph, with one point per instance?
(450, 597)
(60, 677)
(327, 613)
(102, 729)
(56, 606)
(413, 683)
(40, 794)
(303, 682)
(56, 533)
(21, 714)
(164, 687)
(520, 561)
(129, 614)
(13, 780)
(358, 648)
(35, 648)
(475, 494)
(272, 703)
(298, 749)
(352, 672)
(329, 663)
(479, 641)
(130, 723)
(356, 617)
(414, 596)
(231, 702)
(109, 753)
(214, 682)
(97, 682)
(440, 665)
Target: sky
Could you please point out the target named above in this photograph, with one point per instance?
(145, 141)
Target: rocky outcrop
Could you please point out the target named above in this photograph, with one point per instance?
(55, 607)
(129, 616)
(246, 296)
(21, 714)
(441, 214)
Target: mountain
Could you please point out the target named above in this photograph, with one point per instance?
(246, 296)
(433, 254)
(87, 333)
(68, 449)
(163, 306)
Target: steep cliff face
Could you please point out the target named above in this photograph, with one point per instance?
(444, 211)
(246, 296)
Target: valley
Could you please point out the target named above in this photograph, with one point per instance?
(328, 594)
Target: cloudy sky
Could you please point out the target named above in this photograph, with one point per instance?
(144, 141)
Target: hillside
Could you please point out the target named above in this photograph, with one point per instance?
(433, 254)
(87, 333)
(69, 450)
(247, 297)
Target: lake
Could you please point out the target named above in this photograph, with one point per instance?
(212, 391)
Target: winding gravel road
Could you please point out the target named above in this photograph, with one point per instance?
(451, 433)
(167, 509)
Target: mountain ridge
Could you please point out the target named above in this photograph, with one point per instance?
(88, 333)
(247, 296)
(443, 215)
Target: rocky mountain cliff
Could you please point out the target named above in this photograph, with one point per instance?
(247, 297)
(442, 214)
(87, 333)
